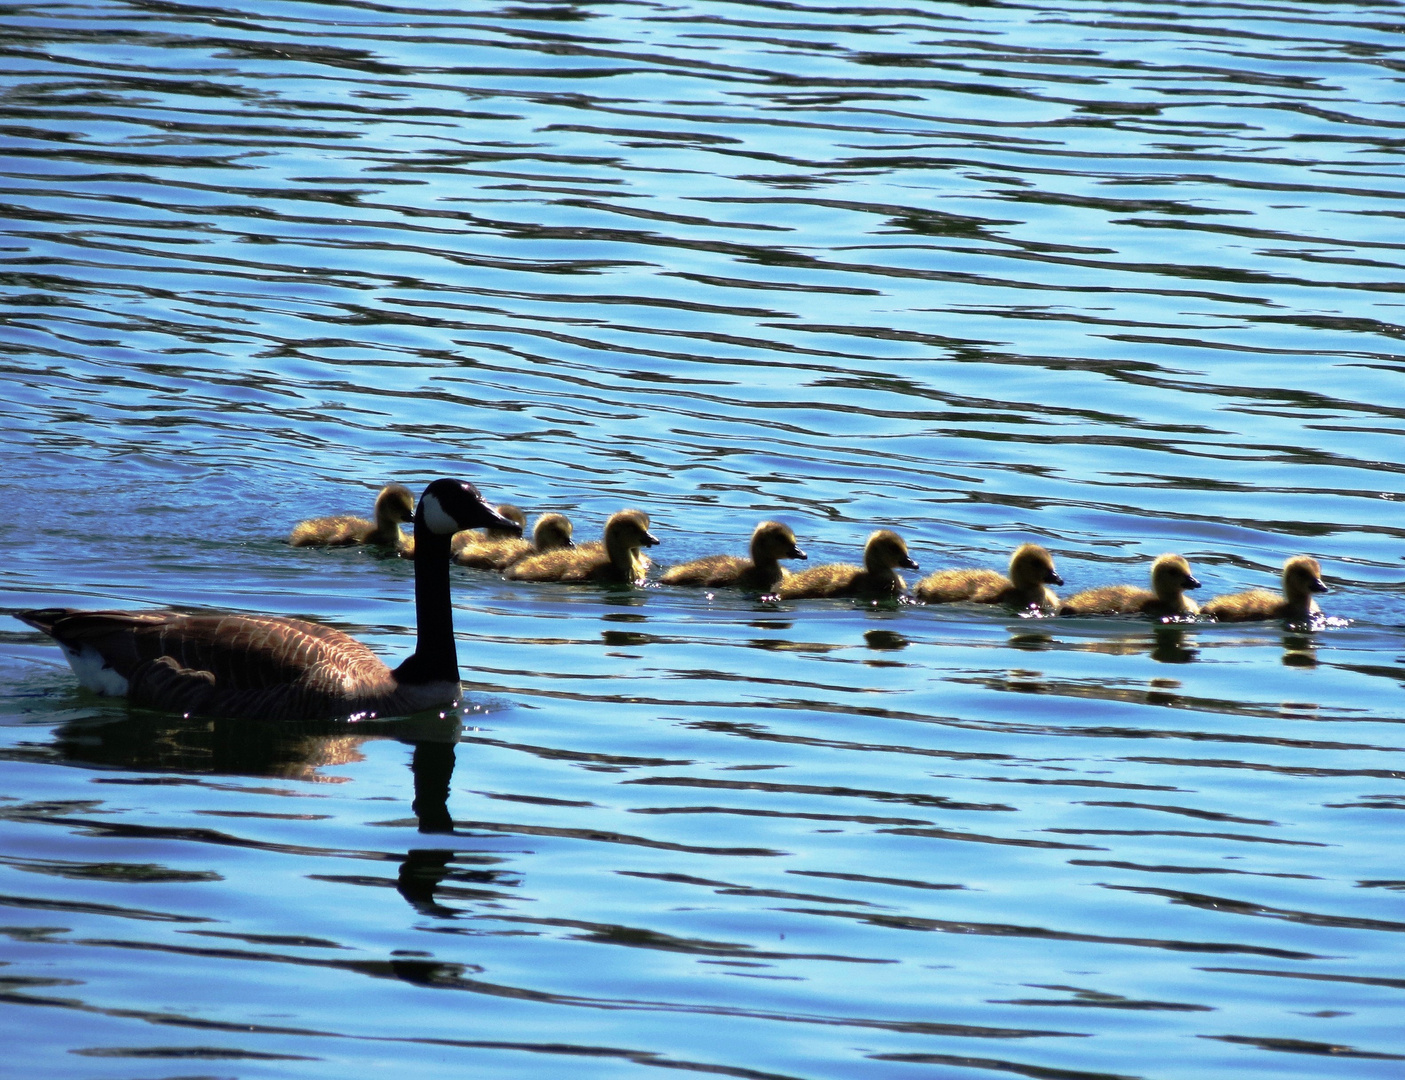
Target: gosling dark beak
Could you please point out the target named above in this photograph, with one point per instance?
(910, 563)
(650, 539)
(1318, 585)
(1191, 583)
(1053, 578)
(796, 553)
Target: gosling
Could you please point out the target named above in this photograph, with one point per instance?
(877, 578)
(552, 532)
(394, 504)
(1302, 576)
(1031, 572)
(615, 559)
(1170, 578)
(762, 573)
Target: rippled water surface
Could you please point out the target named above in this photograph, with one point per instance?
(1120, 278)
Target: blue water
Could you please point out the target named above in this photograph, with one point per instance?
(1116, 278)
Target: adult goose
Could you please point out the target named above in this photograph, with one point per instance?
(268, 668)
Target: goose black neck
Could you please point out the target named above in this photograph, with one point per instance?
(435, 657)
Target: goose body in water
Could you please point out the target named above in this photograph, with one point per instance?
(1302, 576)
(394, 504)
(269, 668)
(1031, 571)
(762, 573)
(877, 578)
(1170, 578)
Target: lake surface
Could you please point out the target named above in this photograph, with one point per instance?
(1119, 278)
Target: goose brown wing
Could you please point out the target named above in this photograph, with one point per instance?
(226, 664)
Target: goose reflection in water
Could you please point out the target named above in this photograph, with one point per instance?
(154, 742)
(158, 742)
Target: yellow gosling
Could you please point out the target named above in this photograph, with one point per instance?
(394, 504)
(882, 555)
(552, 532)
(1170, 578)
(762, 573)
(1031, 571)
(1302, 576)
(615, 559)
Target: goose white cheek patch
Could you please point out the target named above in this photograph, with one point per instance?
(437, 518)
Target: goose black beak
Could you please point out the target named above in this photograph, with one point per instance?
(796, 553)
(910, 563)
(494, 520)
(650, 539)
(1191, 583)
(1318, 585)
(1053, 578)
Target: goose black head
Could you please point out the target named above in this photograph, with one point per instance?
(449, 506)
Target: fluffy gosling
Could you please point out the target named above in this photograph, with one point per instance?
(394, 505)
(1031, 571)
(552, 532)
(615, 559)
(878, 577)
(762, 573)
(1302, 576)
(1170, 578)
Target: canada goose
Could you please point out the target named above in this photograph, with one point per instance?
(1170, 577)
(1302, 576)
(882, 554)
(552, 532)
(1031, 567)
(617, 558)
(762, 573)
(394, 504)
(267, 668)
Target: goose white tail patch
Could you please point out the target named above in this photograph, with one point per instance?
(437, 518)
(92, 671)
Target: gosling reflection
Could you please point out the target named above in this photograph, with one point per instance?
(1299, 649)
(885, 640)
(1166, 643)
